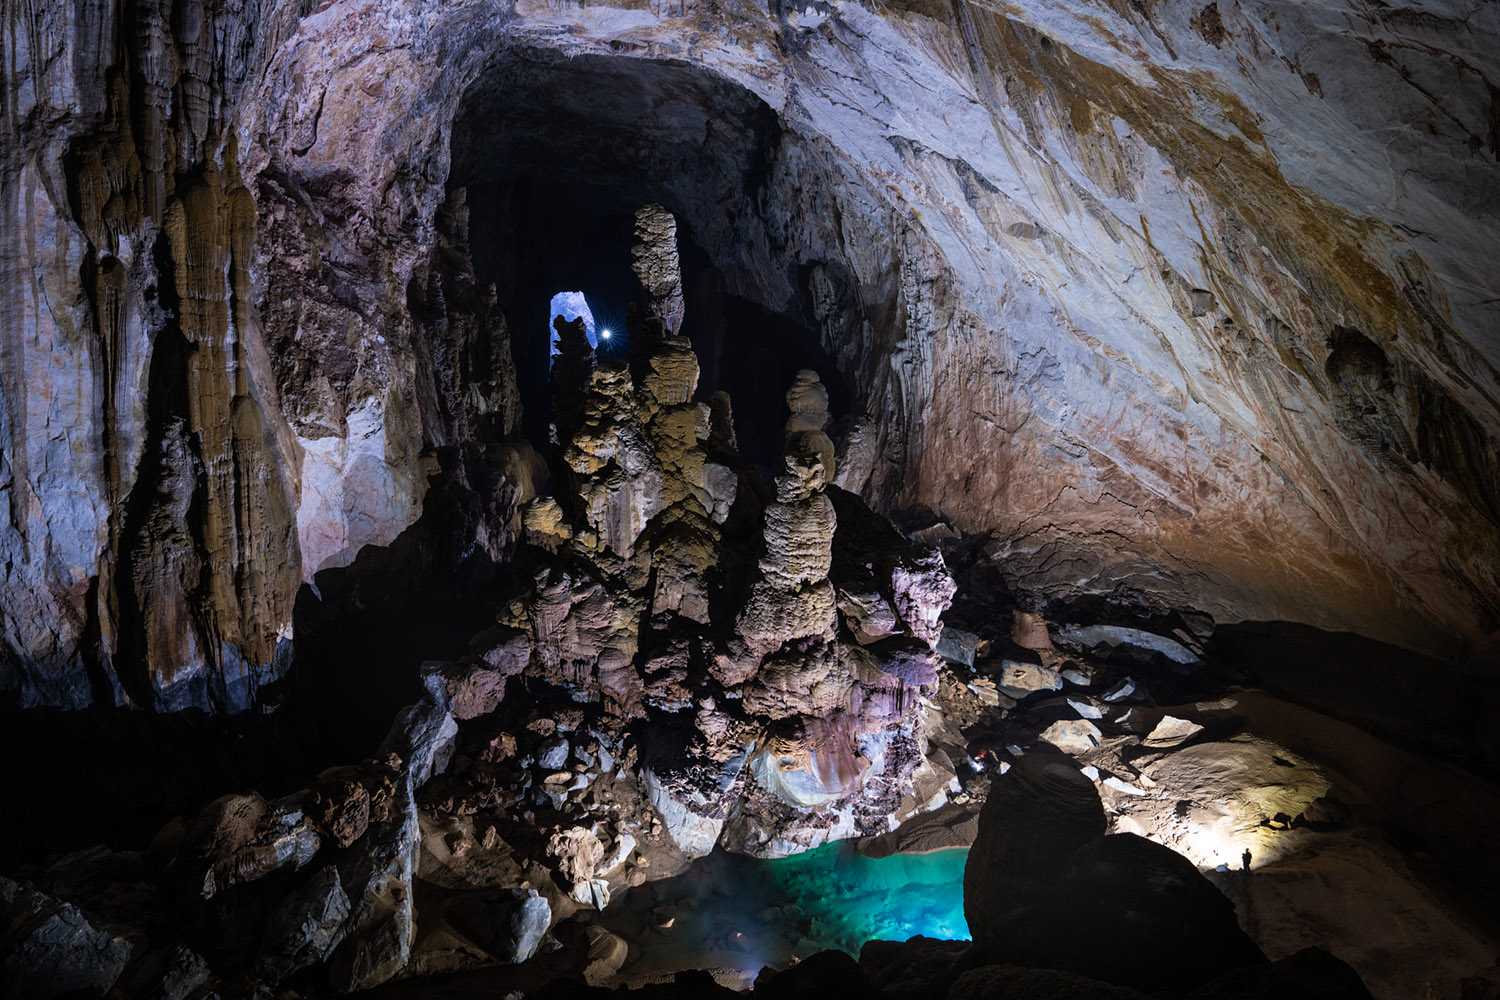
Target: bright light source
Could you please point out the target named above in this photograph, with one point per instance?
(604, 333)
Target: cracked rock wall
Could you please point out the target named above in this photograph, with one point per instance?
(1189, 304)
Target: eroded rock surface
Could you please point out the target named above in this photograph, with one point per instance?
(768, 731)
(1240, 357)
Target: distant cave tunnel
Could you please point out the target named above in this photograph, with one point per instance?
(557, 153)
(553, 155)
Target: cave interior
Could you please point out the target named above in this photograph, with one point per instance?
(673, 678)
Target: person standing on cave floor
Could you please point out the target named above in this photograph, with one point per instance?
(1245, 861)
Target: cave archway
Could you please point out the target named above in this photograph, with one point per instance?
(555, 154)
(551, 157)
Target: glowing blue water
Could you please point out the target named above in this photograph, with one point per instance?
(732, 912)
(848, 898)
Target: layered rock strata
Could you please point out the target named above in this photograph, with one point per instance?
(1193, 309)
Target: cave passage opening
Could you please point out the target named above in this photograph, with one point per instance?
(570, 307)
(555, 155)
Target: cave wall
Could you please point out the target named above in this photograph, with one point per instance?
(147, 478)
(1192, 305)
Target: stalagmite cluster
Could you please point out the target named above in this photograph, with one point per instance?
(670, 587)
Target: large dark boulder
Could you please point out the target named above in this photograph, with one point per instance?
(1162, 924)
(508, 924)
(1045, 889)
(1036, 815)
(304, 928)
(920, 967)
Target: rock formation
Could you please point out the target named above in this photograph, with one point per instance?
(1149, 321)
(649, 603)
(1207, 370)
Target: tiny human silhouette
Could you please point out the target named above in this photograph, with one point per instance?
(1245, 859)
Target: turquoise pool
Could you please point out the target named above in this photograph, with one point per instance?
(729, 912)
(849, 898)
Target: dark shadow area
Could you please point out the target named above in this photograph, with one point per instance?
(557, 154)
(364, 630)
(533, 236)
(1427, 705)
(115, 776)
(753, 354)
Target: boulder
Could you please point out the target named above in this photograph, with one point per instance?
(342, 803)
(423, 733)
(619, 852)
(1041, 868)
(1169, 927)
(1019, 679)
(692, 809)
(175, 973)
(606, 954)
(509, 924)
(305, 927)
(476, 689)
(48, 948)
(1074, 736)
(869, 615)
(1134, 640)
(1037, 813)
(1086, 708)
(1078, 674)
(923, 590)
(553, 755)
(377, 875)
(576, 852)
(1029, 631)
(241, 838)
(1171, 732)
(956, 645)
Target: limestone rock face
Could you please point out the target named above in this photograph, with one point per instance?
(1216, 367)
